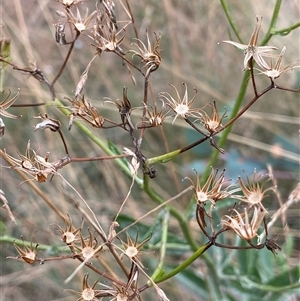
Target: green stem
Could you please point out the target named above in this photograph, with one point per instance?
(20, 242)
(272, 25)
(230, 20)
(285, 31)
(163, 158)
(163, 241)
(183, 265)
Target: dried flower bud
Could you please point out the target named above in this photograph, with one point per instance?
(2, 127)
(47, 123)
(60, 35)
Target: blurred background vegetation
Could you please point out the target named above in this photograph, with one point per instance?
(191, 31)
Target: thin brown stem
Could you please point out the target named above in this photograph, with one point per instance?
(64, 142)
(128, 62)
(65, 61)
(252, 77)
(25, 105)
(132, 20)
(67, 160)
(237, 116)
(145, 101)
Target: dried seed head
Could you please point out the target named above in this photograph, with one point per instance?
(6, 103)
(214, 189)
(181, 106)
(241, 225)
(83, 109)
(155, 117)
(275, 72)
(88, 249)
(252, 50)
(132, 249)
(107, 40)
(34, 165)
(69, 236)
(69, 3)
(212, 123)
(80, 24)
(125, 109)
(150, 56)
(253, 190)
(88, 293)
(28, 254)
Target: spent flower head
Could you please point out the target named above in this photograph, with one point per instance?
(275, 71)
(6, 103)
(83, 109)
(150, 56)
(132, 249)
(181, 106)
(34, 165)
(254, 191)
(87, 293)
(47, 123)
(69, 3)
(241, 224)
(124, 107)
(106, 40)
(27, 255)
(214, 189)
(80, 24)
(69, 235)
(212, 123)
(155, 117)
(88, 249)
(252, 50)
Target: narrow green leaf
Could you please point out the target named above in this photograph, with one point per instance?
(113, 148)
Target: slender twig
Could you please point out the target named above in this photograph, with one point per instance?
(65, 62)
(252, 77)
(132, 19)
(146, 82)
(64, 142)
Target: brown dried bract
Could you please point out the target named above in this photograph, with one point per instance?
(83, 109)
